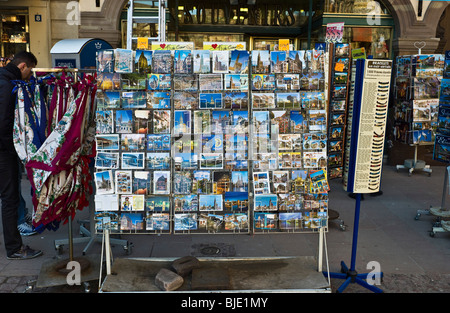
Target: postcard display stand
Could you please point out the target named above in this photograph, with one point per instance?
(219, 140)
(441, 149)
(363, 167)
(416, 93)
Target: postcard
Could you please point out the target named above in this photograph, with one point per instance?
(210, 203)
(288, 100)
(220, 121)
(185, 221)
(157, 221)
(124, 121)
(162, 62)
(132, 202)
(421, 110)
(236, 221)
(182, 62)
(185, 160)
(201, 183)
(202, 122)
(105, 61)
(185, 82)
(107, 142)
(221, 182)
(315, 81)
(106, 202)
(134, 81)
(210, 100)
(236, 82)
(235, 100)
(141, 182)
(296, 61)
(265, 221)
(263, 100)
(133, 160)
(161, 121)
(106, 219)
(239, 181)
(143, 61)
(441, 151)
(210, 82)
(266, 203)
(263, 81)
(182, 122)
(104, 122)
(299, 179)
(260, 61)
(317, 120)
(134, 99)
(161, 182)
(287, 81)
(261, 122)
(211, 161)
(159, 81)
(132, 142)
(108, 100)
(280, 122)
(290, 202)
(108, 81)
(334, 159)
(131, 221)
(342, 50)
(104, 182)
(158, 160)
(172, 45)
(236, 201)
(212, 143)
(239, 62)
(105, 160)
(124, 182)
(210, 222)
(240, 122)
(202, 61)
(185, 203)
(220, 61)
(314, 100)
(265, 161)
(185, 100)
(280, 180)
(158, 142)
(290, 220)
(318, 181)
(158, 100)
(141, 121)
(182, 182)
(278, 62)
(261, 182)
(123, 61)
(231, 45)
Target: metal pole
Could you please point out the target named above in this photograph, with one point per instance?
(309, 24)
(355, 231)
(70, 239)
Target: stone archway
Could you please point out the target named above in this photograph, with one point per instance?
(103, 24)
(410, 30)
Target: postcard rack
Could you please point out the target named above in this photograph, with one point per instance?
(212, 141)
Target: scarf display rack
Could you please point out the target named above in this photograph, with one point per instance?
(54, 136)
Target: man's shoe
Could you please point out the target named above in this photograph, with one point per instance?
(24, 253)
(26, 229)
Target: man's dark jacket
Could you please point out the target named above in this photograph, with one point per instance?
(7, 105)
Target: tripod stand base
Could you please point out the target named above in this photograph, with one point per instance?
(352, 276)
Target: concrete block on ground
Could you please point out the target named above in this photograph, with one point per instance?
(210, 279)
(168, 280)
(184, 266)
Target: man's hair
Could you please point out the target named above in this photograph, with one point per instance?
(24, 56)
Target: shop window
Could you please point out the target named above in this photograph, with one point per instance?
(13, 33)
(354, 7)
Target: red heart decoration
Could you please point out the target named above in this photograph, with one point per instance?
(163, 45)
(214, 45)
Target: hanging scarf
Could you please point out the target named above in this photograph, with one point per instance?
(56, 143)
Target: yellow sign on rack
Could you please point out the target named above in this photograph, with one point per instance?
(283, 44)
(142, 43)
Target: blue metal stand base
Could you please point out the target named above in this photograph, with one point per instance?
(353, 277)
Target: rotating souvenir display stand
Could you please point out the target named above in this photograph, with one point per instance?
(212, 141)
(416, 93)
(363, 167)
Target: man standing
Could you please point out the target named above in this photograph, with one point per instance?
(20, 68)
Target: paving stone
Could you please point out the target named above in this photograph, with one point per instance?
(168, 280)
(184, 266)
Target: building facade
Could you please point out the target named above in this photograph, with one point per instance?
(386, 27)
